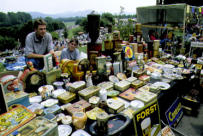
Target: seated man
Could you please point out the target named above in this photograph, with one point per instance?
(71, 53)
(38, 44)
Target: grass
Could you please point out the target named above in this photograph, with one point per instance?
(69, 23)
(83, 49)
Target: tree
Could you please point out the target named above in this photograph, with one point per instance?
(55, 35)
(24, 31)
(65, 33)
(107, 19)
(7, 43)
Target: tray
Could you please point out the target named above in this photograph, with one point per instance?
(14, 119)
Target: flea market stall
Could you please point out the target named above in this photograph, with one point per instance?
(116, 92)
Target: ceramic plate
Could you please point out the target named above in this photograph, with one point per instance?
(64, 130)
(162, 85)
(113, 79)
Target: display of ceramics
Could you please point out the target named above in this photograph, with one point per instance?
(64, 130)
(162, 85)
(49, 102)
(46, 90)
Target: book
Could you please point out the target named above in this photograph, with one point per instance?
(48, 63)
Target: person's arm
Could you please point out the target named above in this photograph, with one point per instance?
(77, 54)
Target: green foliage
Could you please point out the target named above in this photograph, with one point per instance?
(12, 18)
(69, 19)
(65, 33)
(83, 23)
(107, 19)
(126, 28)
(54, 24)
(83, 49)
(68, 24)
(24, 31)
(7, 43)
(55, 35)
(76, 30)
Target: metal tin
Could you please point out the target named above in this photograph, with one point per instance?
(81, 105)
(89, 92)
(136, 84)
(115, 106)
(53, 109)
(122, 85)
(39, 126)
(66, 97)
(77, 86)
(128, 94)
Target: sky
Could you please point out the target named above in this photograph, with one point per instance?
(61, 6)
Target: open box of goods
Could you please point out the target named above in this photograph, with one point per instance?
(17, 98)
(79, 106)
(122, 85)
(145, 96)
(128, 94)
(14, 119)
(106, 85)
(77, 86)
(115, 106)
(39, 126)
(89, 92)
(66, 97)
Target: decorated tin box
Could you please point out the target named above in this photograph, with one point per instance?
(81, 105)
(131, 79)
(17, 98)
(14, 119)
(115, 106)
(66, 97)
(128, 94)
(106, 85)
(145, 96)
(122, 85)
(89, 92)
(39, 126)
(136, 84)
(53, 109)
(77, 86)
(144, 78)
